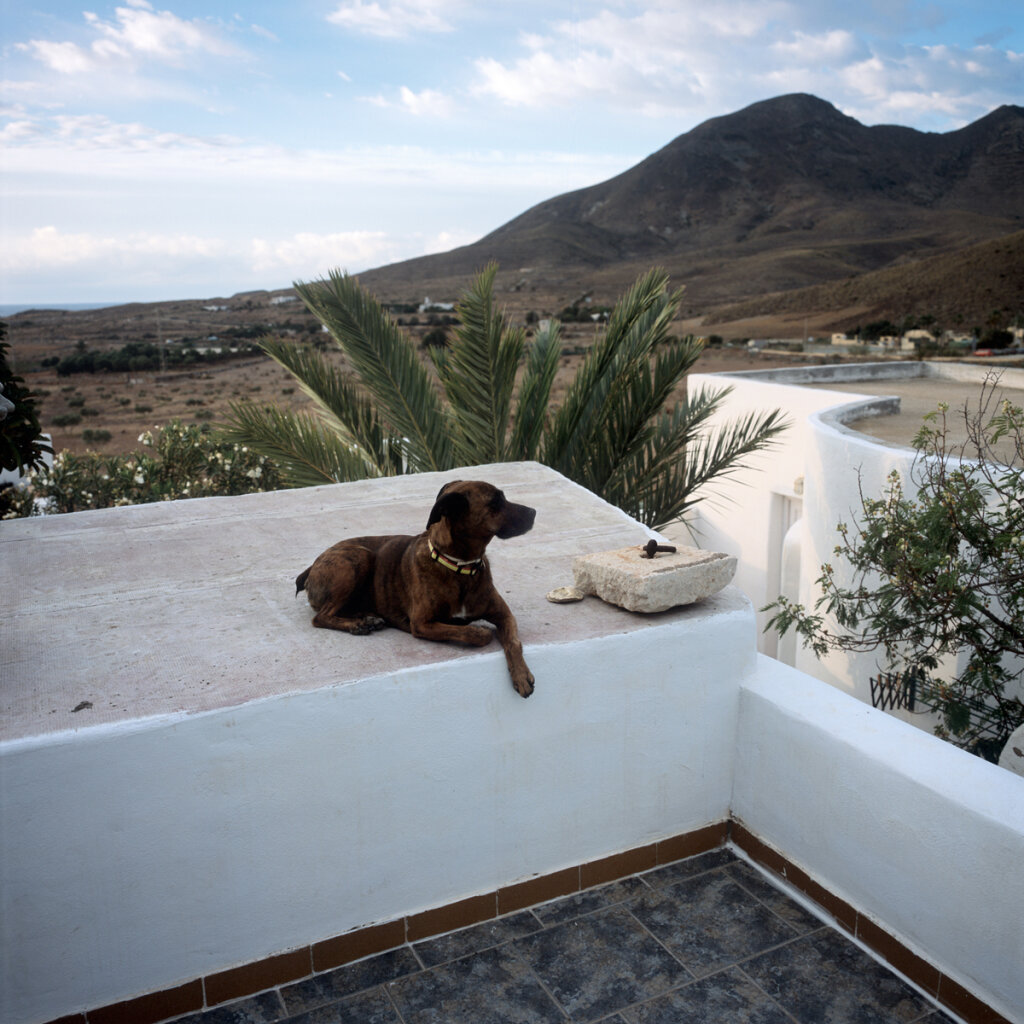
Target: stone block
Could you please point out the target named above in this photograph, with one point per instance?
(626, 578)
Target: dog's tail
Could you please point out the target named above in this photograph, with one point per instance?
(300, 581)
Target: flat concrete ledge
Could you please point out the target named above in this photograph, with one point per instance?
(185, 607)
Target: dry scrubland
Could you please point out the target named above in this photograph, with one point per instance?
(125, 404)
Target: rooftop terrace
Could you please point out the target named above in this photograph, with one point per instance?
(205, 800)
(704, 940)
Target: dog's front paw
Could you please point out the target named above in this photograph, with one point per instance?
(523, 682)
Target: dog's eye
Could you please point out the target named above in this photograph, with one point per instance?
(497, 501)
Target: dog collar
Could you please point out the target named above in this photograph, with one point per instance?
(470, 568)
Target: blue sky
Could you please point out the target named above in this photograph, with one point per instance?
(190, 149)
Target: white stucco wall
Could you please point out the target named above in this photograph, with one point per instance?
(136, 857)
(385, 776)
(919, 835)
(744, 514)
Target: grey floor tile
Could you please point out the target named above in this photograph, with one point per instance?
(825, 979)
(331, 986)
(728, 997)
(586, 902)
(596, 965)
(681, 869)
(491, 987)
(710, 921)
(774, 899)
(262, 1009)
(370, 1007)
(472, 940)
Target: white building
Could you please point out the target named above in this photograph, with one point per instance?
(779, 515)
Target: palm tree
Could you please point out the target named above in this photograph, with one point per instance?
(614, 432)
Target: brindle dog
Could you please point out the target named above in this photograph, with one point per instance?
(431, 585)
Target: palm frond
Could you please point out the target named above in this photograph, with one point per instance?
(613, 432)
(388, 366)
(478, 373)
(719, 453)
(633, 411)
(662, 482)
(305, 451)
(617, 364)
(343, 407)
(535, 392)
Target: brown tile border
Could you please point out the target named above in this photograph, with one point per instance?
(152, 1008)
(344, 949)
(618, 865)
(967, 1005)
(538, 890)
(898, 956)
(689, 844)
(926, 976)
(255, 977)
(454, 915)
(248, 979)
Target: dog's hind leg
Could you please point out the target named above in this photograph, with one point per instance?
(330, 617)
(336, 584)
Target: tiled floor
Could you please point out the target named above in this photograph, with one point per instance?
(706, 940)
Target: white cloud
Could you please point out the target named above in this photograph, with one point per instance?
(688, 61)
(428, 103)
(87, 147)
(49, 248)
(36, 264)
(259, 30)
(238, 213)
(307, 254)
(137, 34)
(920, 85)
(64, 58)
(395, 19)
(820, 48)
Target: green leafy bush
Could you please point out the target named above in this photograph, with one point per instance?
(177, 461)
(930, 575)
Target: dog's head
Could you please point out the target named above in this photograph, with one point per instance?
(474, 512)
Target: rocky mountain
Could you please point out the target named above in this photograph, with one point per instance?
(783, 194)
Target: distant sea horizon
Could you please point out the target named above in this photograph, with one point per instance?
(10, 308)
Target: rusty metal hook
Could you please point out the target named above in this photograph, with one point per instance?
(652, 547)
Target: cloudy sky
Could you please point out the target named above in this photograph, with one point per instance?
(196, 148)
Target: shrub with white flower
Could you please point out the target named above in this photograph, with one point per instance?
(181, 462)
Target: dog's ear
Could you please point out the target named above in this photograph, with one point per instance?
(451, 483)
(448, 506)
